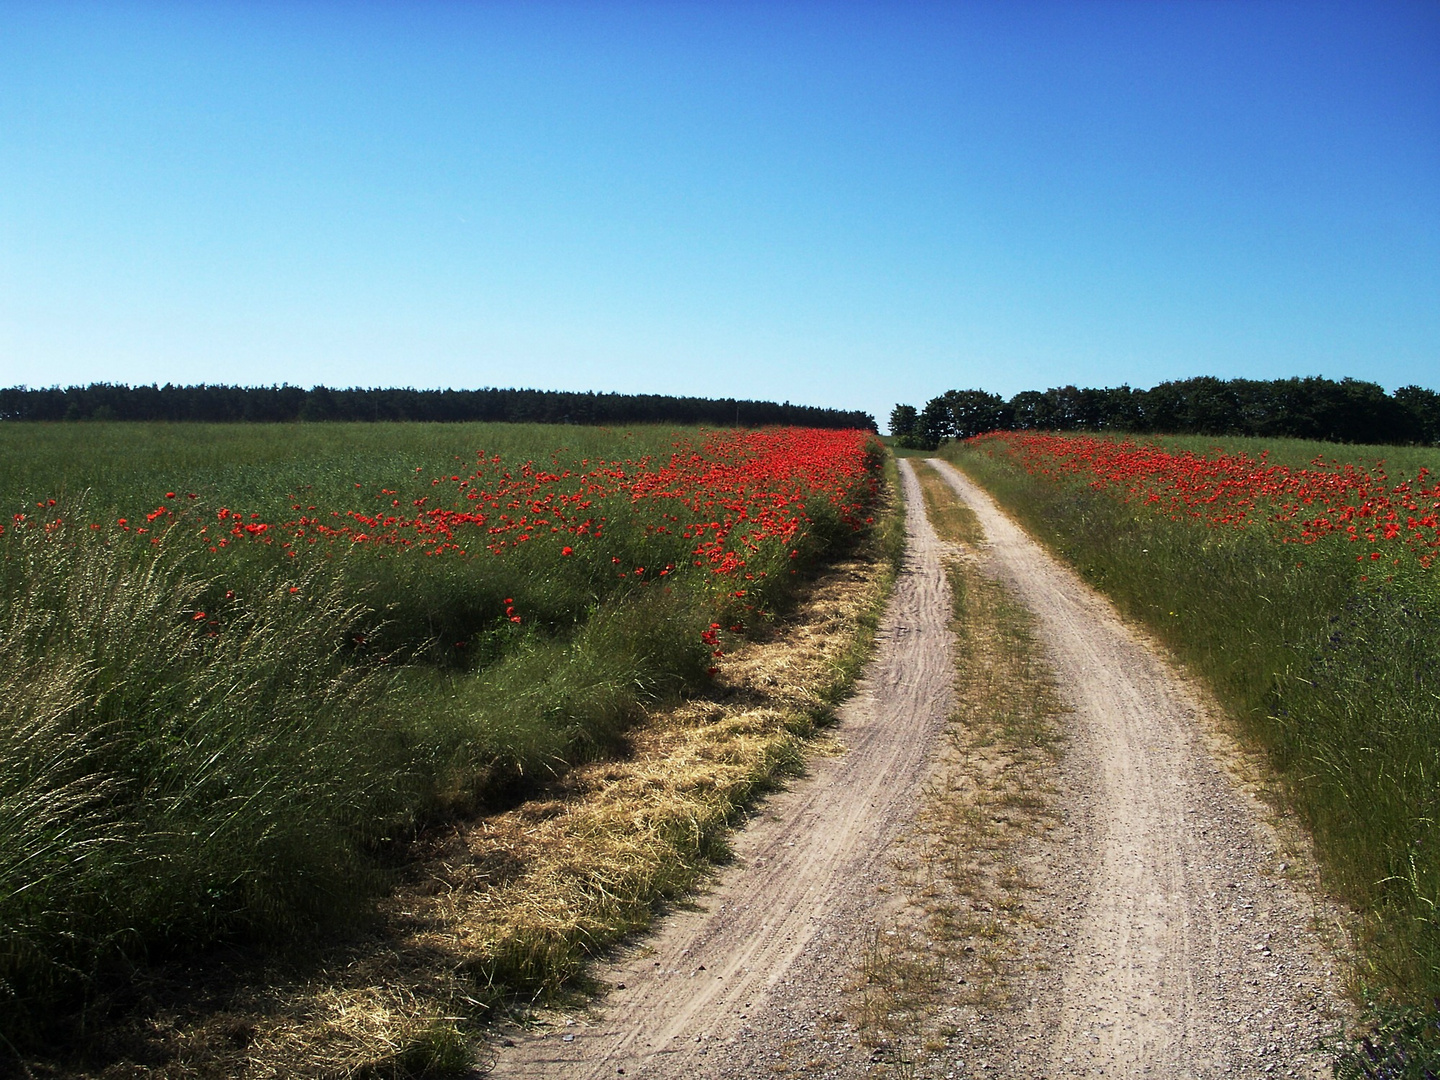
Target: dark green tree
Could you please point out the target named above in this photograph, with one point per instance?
(903, 419)
(974, 412)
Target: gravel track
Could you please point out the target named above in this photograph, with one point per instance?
(1175, 942)
(698, 993)
(1188, 950)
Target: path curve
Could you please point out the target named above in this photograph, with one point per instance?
(711, 975)
(1188, 953)
(1177, 945)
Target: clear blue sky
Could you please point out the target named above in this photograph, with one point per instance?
(836, 204)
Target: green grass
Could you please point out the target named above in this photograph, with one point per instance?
(123, 466)
(229, 745)
(1333, 675)
(892, 443)
(1399, 461)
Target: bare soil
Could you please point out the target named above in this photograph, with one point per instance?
(714, 992)
(1169, 927)
(1191, 942)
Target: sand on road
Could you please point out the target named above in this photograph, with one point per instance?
(696, 993)
(1177, 944)
(1189, 951)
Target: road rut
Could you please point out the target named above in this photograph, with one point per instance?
(1188, 952)
(696, 991)
(1174, 943)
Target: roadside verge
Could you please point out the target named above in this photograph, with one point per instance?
(508, 909)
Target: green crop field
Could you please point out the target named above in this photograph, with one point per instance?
(244, 662)
(1397, 461)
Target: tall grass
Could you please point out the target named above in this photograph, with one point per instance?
(202, 746)
(1334, 675)
(159, 786)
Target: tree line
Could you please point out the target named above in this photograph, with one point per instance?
(218, 404)
(1348, 411)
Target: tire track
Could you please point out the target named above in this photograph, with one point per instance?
(1171, 942)
(1188, 953)
(726, 976)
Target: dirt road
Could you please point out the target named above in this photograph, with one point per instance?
(1176, 945)
(1188, 951)
(694, 994)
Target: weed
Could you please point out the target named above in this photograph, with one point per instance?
(1402, 1044)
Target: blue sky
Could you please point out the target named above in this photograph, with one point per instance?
(837, 204)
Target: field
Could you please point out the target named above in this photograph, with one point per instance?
(259, 676)
(1303, 590)
(247, 663)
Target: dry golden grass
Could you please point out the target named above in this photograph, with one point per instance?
(951, 519)
(512, 906)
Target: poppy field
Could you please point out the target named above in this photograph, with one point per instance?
(245, 664)
(1303, 588)
(1234, 490)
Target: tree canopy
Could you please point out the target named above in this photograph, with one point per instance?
(1348, 411)
(108, 401)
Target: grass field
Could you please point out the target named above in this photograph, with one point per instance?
(1396, 461)
(1306, 596)
(248, 662)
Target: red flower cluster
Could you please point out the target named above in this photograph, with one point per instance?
(734, 491)
(1229, 490)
